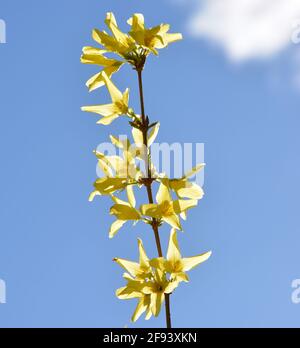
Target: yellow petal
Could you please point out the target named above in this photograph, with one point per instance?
(163, 194)
(153, 36)
(137, 152)
(173, 253)
(159, 277)
(191, 262)
(132, 290)
(181, 205)
(98, 36)
(105, 168)
(115, 226)
(125, 97)
(110, 43)
(132, 267)
(160, 263)
(173, 221)
(104, 164)
(93, 195)
(93, 55)
(104, 158)
(186, 189)
(144, 260)
(115, 94)
(130, 195)
(108, 119)
(140, 308)
(152, 210)
(194, 170)
(127, 170)
(103, 110)
(121, 143)
(97, 80)
(172, 37)
(128, 156)
(119, 36)
(153, 134)
(180, 277)
(115, 162)
(137, 28)
(89, 50)
(148, 288)
(193, 191)
(137, 22)
(171, 286)
(124, 212)
(118, 200)
(166, 38)
(129, 277)
(120, 291)
(148, 311)
(156, 302)
(137, 136)
(109, 185)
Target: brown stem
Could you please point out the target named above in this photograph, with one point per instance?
(139, 71)
(148, 185)
(168, 311)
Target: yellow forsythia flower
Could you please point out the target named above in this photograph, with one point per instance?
(166, 209)
(144, 283)
(106, 186)
(123, 211)
(140, 270)
(174, 263)
(134, 289)
(119, 43)
(152, 38)
(132, 48)
(92, 55)
(183, 187)
(118, 107)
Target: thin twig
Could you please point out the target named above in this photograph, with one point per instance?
(154, 224)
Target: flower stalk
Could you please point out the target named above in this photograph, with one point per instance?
(150, 281)
(154, 223)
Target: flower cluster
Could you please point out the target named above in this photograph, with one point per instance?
(132, 48)
(150, 281)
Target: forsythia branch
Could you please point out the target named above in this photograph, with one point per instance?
(151, 281)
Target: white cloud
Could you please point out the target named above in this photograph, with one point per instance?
(247, 29)
(296, 70)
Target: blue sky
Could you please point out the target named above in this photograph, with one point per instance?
(55, 255)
